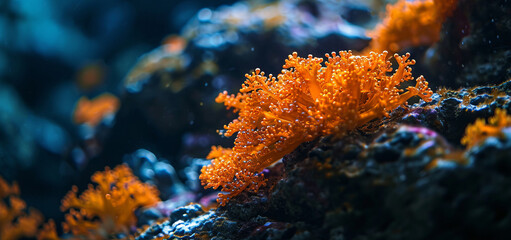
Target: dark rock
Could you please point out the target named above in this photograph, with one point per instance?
(472, 50)
(186, 213)
(454, 110)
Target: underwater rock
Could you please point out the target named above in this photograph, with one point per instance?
(493, 153)
(474, 48)
(287, 23)
(174, 194)
(186, 213)
(158, 172)
(191, 222)
(379, 184)
(378, 203)
(451, 111)
(408, 144)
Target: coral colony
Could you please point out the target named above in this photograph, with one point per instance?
(329, 148)
(15, 222)
(93, 111)
(109, 207)
(410, 23)
(307, 100)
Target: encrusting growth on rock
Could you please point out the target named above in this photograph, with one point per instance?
(475, 134)
(93, 111)
(307, 100)
(480, 130)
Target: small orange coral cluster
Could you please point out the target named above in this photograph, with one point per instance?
(410, 23)
(91, 75)
(305, 101)
(480, 130)
(108, 208)
(48, 231)
(93, 111)
(15, 223)
(475, 133)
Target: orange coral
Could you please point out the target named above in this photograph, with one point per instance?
(474, 134)
(174, 44)
(480, 130)
(109, 207)
(48, 232)
(93, 111)
(305, 101)
(91, 75)
(410, 24)
(15, 223)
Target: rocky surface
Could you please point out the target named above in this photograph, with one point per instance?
(376, 184)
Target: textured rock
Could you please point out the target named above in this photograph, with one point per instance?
(379, 184)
